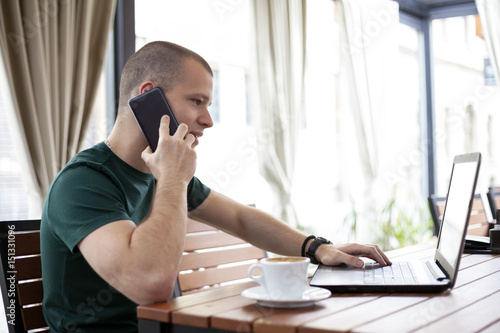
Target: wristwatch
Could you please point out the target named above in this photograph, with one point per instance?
(311, 251)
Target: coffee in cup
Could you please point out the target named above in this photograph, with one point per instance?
(283, 278)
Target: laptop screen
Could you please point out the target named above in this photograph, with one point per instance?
(457, 211)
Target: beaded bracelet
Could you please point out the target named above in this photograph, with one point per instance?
(303, 249)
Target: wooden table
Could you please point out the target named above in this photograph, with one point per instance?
(472, 305)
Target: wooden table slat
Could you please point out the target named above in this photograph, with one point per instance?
(287, 322)
(469, 261)
(346, 320)
(261, 320)
(469, 319)
(200, 315)
(476, 272)
(162, 312)
(242, 319)
(434, 308)
(493, 328)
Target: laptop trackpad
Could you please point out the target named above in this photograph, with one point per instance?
(338, 275)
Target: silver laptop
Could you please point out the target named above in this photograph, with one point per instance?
(418, 276)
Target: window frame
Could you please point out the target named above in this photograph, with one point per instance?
(419, 16)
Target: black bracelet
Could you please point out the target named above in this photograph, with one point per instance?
(303, 249)
(311, 251)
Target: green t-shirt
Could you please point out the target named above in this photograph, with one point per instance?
(95, 188)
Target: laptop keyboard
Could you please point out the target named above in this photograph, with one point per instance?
(399, 272)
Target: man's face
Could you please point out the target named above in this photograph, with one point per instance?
(191, 97)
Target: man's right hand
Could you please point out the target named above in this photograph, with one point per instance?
(174, 158)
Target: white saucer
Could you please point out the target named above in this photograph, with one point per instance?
(310, 295)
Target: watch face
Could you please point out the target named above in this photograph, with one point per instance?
(323, 240)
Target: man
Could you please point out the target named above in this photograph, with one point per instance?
(114, 221)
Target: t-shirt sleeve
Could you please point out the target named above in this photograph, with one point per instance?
(197, 193)
(81, 200)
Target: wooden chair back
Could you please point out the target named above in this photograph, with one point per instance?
(478, 222)
(21, 279)
(213, 258)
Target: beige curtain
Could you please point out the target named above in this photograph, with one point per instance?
(355, 57)
(368, 52)
(53, 53)
(368, 42)
(489, 12)
(280, 58)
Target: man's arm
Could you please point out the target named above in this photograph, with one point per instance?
(270, 234)
(142, 261)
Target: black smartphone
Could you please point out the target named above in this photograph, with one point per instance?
(148, 108)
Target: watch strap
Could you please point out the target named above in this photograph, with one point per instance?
(311, 251)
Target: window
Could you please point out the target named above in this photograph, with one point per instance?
(460, 92)
(404, 146)
(465, 107)
(100, 121)
(220, 32)
(329, 182)
(13, 196)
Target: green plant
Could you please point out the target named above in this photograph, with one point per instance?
(384, 223)
(351, 222)
(405, 224)
(398, 222)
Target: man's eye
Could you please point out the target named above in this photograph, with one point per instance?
(197, 101)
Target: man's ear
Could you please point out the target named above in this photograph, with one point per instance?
(146, 86)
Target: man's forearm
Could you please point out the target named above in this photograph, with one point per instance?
(271, 234)
(164, 229)
(250, 224)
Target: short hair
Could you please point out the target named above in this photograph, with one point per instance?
(161, 62)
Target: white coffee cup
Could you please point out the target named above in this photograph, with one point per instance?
(283, 278)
